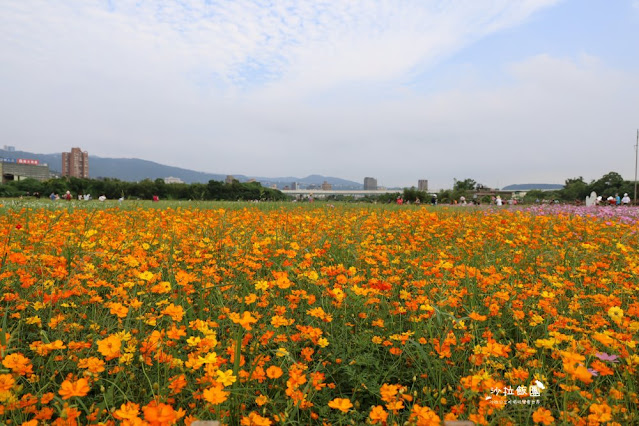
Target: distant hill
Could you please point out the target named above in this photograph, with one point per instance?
(531, 186)
(135, 169)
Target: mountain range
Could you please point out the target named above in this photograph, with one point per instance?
(135, 169)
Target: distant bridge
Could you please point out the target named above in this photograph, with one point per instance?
(322, 193)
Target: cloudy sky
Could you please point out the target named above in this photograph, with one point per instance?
(501, 91)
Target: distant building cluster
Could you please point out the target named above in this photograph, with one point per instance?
(75, 163)
(370, 184)
(172, 179)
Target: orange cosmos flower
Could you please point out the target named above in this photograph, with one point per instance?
(280, 321)
(110, 347)
(424, 416)
(341, 404)
(580, 372)
(255, 419)
(177, 383)
(215, 395)
(118, 310)
(18, 363)
(70, 389)
(395, 406)
(128, 411)
(245, 320)
(274, 372)
(543, 416)
(93, 364)
(175, 312)
(477, 317)
(261, 400)
(6, 382)
(600, 413)
(161, 287)
(378, 415)
(388, 392)
(296, 378)
(159, 414)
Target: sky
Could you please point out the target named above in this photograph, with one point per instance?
(499, 91)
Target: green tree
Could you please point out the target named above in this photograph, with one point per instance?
(412, 194)
(464, 185)
(609, 184)
(532, 196)
(27, 185)
(574, 189)
(462, 188)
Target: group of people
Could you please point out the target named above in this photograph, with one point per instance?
(401, 201)
(67, 196)
(614, 201)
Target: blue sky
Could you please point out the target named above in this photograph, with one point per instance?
(502, 91)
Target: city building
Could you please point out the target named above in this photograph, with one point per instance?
(9, 148)
(326, 186)
(422, 185)
(172, 179)
(75, 163)
(229, 179)
(21, 168)
(294, 186)
(370, 184)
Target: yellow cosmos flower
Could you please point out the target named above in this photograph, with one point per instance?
(226, 378)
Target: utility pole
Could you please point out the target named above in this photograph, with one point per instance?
(636, 157)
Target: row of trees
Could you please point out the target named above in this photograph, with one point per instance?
(610, 184)
(146, 189)
(574, 190)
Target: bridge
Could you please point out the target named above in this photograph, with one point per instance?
(323, 193)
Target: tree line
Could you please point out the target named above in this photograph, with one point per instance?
(575, 190)
(144, 190)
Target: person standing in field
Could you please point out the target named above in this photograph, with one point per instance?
(67, 196)
(625, 200)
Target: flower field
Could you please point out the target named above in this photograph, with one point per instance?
(314, 314)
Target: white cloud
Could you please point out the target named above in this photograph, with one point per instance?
(558, 118)
(304, 44)
(305, 87)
